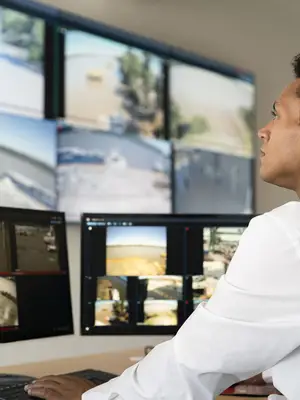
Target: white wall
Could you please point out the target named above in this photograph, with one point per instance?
(261, 36)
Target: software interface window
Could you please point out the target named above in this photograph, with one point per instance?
(146, 274)
(34, 277)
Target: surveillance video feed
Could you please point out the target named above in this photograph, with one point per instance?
(220, 245)
(8, 303)
(4, 249)
(111, 313)
(212, 124)
(212, 111)
(37, 249)
(136, 250)
(160, 313)
(212, 183)
(160, 288)
(28, 163)
(112, 288)
(113, 87)
(106, 172)
(203, 287)
(21, 63)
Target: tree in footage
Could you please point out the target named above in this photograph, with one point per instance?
(142, 87)
(25, 32)
(198, 125)
(120, 312)
(213, 239)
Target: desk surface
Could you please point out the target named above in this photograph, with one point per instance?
(115, 362)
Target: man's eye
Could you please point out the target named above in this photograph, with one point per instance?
(274, 114)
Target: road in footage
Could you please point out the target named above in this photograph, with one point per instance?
(160, 313)
(226, 179)
(164, 289)
(33, 252)
(135, 260)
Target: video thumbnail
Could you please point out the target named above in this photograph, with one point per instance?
(218, 118)
(111, 313)
(112, 288)
(203, 287)
(8, 303)
(211, 183)
(37, 248)
(220, 245)
(113, 87)
(160, 313)
(21, 63)
(5, 262)
(28, 162)
(160, 288)
(136, 250)
(101, 170)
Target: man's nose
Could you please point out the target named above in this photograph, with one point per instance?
(264, 133)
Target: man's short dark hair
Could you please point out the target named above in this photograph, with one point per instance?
(296, 66)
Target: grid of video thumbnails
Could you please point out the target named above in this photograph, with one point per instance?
(219, 246)
(138, 273)
(30, 272)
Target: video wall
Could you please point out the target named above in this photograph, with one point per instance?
(147, 275)
(95, 123)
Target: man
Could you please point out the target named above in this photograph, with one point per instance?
(252, 321)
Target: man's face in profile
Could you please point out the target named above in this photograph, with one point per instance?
(280, 149)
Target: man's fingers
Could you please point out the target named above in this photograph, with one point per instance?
(59, 379)
(42, 392)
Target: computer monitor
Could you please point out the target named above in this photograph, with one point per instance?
(28, 162)
(22, 39)
(35, 299)
(106, 171)
(145, 274)
(213, 122)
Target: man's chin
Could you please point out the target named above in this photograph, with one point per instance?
(267, 177)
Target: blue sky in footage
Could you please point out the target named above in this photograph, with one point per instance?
(34, 138)
(137, 235)
(81, 43)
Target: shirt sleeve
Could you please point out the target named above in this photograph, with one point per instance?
(248, 326)
(267, 376)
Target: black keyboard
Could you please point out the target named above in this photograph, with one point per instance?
(15, 391)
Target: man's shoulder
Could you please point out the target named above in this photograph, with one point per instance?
(284, 218)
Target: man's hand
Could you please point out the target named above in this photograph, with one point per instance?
(60, 387)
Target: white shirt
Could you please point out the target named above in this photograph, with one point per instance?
(250, 324)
